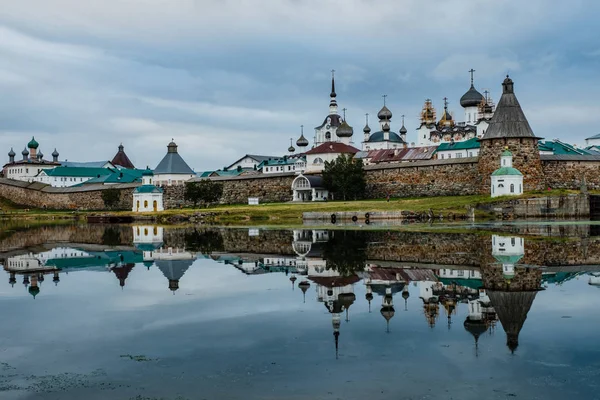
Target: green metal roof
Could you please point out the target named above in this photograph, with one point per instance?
(472, 143)
(78, 172)
(278, 162)
(148, 189)
(514, 259)
(469, 283)
(96, 259)
(507, 153)
(119, 176)
(559, 148)
(507, 171)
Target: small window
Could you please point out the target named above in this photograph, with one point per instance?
(512, 188)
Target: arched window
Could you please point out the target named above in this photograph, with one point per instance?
(500, 186)
(520, 189)
(137, 207)
(328, 135)
(512, 188)
(145, 203)
(318, 160)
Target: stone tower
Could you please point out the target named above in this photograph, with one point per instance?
(509, 129)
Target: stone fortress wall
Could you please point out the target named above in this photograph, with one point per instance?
(415, 179)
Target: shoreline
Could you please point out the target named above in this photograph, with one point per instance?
(478, 207)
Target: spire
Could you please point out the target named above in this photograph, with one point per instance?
(333, 94)
(332, 102)
(471, 71)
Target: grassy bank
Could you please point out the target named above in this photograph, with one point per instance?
(287, 213)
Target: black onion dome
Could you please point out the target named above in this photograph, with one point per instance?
(384, 113)
(472, 98)
(11, 153)
(344, 130)
(40, 154)
(366, 129)
(291, 149)
(25, 152)
(302, 142)
(403, 130)
(55, 153)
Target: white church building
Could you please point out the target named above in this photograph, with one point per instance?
(507, 181)
(147, 197)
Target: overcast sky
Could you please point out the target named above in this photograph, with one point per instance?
(230, 77)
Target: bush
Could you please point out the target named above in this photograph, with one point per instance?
(205, 191)
(111, 197)
(345, 177)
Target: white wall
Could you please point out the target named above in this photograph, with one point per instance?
(25, 172)
(61, 181)
(501, 185)
(172, 179)
(144, 202)
(450, 154)
(310, 161)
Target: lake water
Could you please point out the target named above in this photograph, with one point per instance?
(146, 312)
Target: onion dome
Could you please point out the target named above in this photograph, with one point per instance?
(304, 286)
(40, 155)
(33, 144)
(384, 113)
(344, 130)
(291, 149)
(34, 291)
(302, 142)
(366, 129)
(25, 152)
(55, 153)
(405, 294)
(386, 127)
(11, 153)
(403, 130)
(472, 98)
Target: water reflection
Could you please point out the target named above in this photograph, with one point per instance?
(501, 288)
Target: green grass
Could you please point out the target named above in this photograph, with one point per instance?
(291, 213)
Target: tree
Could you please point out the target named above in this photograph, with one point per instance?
(111, 197)
(205, 191)
(345, 177)
(346, 251)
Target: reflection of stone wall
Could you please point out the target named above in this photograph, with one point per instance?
(525, 279)
(82, 233)
(43, 196)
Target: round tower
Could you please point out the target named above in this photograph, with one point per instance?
(510, 130)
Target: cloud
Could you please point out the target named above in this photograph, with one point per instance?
(230, 77)
(457, 65)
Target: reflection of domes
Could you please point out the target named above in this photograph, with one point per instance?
(388, 312)
(475, 327)
(34, 291)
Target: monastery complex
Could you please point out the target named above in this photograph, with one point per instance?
(493, 150)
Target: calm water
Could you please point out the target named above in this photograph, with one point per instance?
(143, 312)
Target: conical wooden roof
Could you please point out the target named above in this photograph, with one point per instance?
(509, 120)
(512, 309)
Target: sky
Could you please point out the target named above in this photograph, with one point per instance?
(224, 78)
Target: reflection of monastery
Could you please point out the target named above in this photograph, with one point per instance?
(502, 289)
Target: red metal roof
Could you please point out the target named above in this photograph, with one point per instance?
(333, 147)
(399, 155)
